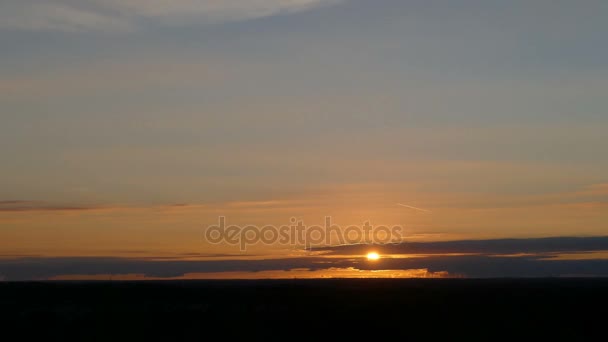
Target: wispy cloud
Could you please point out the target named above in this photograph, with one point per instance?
(17, 205)
(121, 15)
(58, 16)
(414, 208)
(15, 202)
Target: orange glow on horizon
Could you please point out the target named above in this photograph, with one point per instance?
(304, 273)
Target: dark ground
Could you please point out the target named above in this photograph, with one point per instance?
(413, 309)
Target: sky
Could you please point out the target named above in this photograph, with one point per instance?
(128, 127)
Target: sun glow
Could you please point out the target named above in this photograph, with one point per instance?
(373, 256)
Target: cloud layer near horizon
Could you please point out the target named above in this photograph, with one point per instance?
(477, 259)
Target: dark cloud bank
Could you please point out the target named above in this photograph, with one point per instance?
(483, 259)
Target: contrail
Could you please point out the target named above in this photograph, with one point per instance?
(409, 206)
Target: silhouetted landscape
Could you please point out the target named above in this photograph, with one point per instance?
(196, 310)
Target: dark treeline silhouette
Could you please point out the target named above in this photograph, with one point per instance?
(315, 309)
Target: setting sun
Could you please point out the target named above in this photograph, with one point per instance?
(373, 256)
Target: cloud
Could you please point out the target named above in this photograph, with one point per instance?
(412, 207)
(299, 273)
(123, 15)
(538, 258)
(15, 202)
(18, 206)
(488, 247)
(179, 11)
(57, 16)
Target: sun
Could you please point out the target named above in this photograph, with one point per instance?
(373, 256)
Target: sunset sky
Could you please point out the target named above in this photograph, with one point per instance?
(129, 126)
